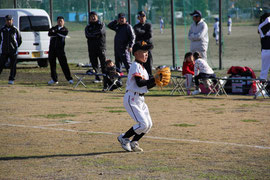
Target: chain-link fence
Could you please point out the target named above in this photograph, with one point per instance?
(244, 13)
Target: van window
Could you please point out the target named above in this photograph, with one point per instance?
(34, 23)
(2, 21)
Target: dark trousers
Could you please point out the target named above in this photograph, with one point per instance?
(63, 63)
(94, 55)
(148, 64)
(122, 56)
(13, 63)
(204, 76)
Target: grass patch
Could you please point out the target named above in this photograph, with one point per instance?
(217, 110)
(121, 107)
(89, 112)
(56, 116)
(127, 167)
(163, 169)
(116, 111)
(22, 91)
(249, 120)
(250, 105)
(184, 125)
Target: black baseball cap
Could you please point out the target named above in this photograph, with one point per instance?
(196, 13)
(141, 13)
(60, 17)
(121, 15)
(8, 17)
(141, 45)
(93, 13)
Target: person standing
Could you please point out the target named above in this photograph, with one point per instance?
(138, 84)
(123, 41)
(216, 30)
(198, 35)
(143, 32)
(264, 31)
(58, 34)
(10, 40)
(96, 40)
(229, 24)
(161, 25)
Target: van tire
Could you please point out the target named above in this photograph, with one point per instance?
(43, 62)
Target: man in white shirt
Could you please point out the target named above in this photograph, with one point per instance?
(198, 35)
(216, 30)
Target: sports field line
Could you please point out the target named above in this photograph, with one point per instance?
(150, 137)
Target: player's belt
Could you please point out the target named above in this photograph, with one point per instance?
(135, 93)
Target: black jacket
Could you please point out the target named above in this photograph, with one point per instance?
(96, 35)
(10, 40)
(143, 32)
(57, 42)
(124, 37)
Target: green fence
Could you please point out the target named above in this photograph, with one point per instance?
(243, 13)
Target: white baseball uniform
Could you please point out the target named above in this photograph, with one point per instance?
(134, 99)
(264, 30)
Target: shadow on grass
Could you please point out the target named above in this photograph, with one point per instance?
(57, 155)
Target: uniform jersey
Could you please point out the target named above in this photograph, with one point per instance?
(136, 70)
(264, 30)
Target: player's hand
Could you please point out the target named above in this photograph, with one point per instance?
(129, 49)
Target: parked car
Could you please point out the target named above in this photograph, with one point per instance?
(34, 25)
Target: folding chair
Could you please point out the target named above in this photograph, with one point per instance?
(81, 76)
(178, 82)
(218, 88)
(116, 80)
(261, 88)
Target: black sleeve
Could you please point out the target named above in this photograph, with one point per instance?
(148, 33)
(52, 31)
(149, 83)
(113, 25)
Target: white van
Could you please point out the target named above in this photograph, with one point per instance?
(34, 25)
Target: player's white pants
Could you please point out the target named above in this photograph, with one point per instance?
(188, 82)
(138, 110)
(217, 35)
(229, 29)
(265, 63)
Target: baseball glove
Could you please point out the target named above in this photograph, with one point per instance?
(162, 76)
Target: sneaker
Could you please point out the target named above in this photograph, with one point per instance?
(11, 82)
(125, 143)
(135, 146)
(52, 82)
(197, 91)
(97, 81)
(71, 81)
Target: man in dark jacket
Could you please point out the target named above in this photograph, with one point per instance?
(143, 32)
(58, 34)
(96, 40)
(10, 40)
(123, 41)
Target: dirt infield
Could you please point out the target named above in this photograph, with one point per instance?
(58, 132)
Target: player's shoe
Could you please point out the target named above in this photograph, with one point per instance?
(71, 81)
(125, 143)
(52, 82)
(197, 91)
(97, 81)
(11, 82)
(135, 146)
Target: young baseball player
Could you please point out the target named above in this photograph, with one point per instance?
(137, 85)
(188, 70)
